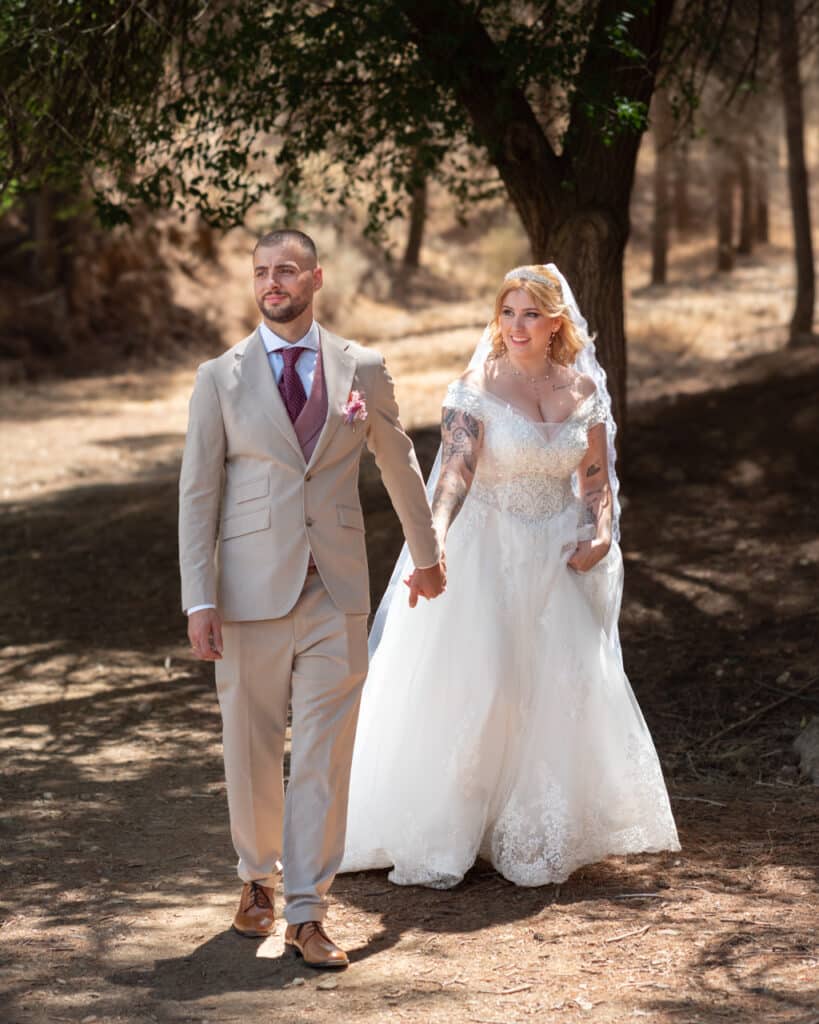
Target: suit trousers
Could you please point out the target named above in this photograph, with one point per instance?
(315, 657)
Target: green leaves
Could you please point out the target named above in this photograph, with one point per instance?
(213, 104)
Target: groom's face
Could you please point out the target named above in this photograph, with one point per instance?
(285, 277)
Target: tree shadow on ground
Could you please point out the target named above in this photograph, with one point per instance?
(112, 764)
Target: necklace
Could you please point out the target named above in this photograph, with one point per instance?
(534, 381)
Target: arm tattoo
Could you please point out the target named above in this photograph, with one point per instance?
(592, 470)
(458, 420)
(452, 449)
(595, 502)
(450, 494)
(460, 437)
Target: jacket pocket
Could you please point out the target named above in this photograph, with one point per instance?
(350, 517)
(257, 488)
(250, 522)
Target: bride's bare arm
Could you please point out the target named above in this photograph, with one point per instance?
(595, 494)
(461, 440)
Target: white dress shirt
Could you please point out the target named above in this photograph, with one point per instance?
(305, 368)
(306, 364)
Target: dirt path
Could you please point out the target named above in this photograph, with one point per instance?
(117, 872)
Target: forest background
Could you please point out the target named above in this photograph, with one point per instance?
(661, 154)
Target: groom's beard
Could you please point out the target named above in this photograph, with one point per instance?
(285, 311)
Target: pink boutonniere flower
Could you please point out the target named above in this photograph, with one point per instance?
(355, 408)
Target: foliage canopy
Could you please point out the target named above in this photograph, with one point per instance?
(212, 104)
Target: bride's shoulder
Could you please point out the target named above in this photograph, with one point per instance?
(473, 378)
(583, 386)
(589, 398)
(466, 392)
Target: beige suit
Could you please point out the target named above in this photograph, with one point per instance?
(260, 499)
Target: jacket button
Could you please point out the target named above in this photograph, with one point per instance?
(308, 521)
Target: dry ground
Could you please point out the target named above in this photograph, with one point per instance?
(117, 872)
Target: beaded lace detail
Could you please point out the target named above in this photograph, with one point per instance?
(525, 470)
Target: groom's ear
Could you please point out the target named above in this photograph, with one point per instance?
(318, 278)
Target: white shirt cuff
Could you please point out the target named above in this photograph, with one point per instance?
(199, 608)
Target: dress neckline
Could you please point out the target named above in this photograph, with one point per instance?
(517, 412)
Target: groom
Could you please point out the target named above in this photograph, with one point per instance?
(275, 583)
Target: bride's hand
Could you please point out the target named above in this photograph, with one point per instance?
(587, 554)
(428, 583)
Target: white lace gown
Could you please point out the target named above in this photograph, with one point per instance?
(497, 720)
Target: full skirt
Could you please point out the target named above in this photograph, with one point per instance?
(497, 720)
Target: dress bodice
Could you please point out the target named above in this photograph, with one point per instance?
(525, 467)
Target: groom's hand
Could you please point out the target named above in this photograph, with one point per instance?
(427, 583)
(205, 634)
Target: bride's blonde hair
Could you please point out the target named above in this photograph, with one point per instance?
(547, 295)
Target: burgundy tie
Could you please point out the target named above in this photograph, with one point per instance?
(290, 385)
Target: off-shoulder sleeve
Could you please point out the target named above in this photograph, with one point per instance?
(460, 395)
(595, 411)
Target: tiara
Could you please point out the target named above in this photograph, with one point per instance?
(529, 275)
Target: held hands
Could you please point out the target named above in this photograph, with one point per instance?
(587, 554)
(205, 634)
(427, 583)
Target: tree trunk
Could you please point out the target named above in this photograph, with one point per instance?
(725, 213)
(573, 206)
(44, 252)
(682, 204)
(663, 132)
(746, 202)
(761, 176)
(801, 327)
(417, 221)
(589, 248)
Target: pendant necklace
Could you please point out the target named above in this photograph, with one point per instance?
(534, 381)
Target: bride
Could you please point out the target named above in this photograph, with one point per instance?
(497, 721)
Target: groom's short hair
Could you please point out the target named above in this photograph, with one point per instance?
(289, 235)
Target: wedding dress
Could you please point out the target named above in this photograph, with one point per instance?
(497, 720)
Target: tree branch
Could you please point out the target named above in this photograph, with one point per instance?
(461, 56)
(603, 79)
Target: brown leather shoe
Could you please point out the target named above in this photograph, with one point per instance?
(256, 915)
(311, 942)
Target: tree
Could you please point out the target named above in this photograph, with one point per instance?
(761, 175)
(215, 103)
(746, 239)
(682, 202)
(74, 78)
(306, 87)
(417, 219)
(748, 71)
(801, 326)
(663, 128)
(724, 174)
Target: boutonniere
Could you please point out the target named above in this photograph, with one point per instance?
(355, 408)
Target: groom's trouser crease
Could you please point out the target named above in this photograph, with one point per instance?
(318, 656)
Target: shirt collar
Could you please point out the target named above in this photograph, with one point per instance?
(272, 341)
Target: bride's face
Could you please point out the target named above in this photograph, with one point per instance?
(526, 330)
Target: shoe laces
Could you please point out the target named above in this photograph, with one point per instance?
(316, 928)
(259, 897)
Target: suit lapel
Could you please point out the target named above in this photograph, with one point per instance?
(339, 370)
(254, 373)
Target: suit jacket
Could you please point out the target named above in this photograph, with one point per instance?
(258, 496)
